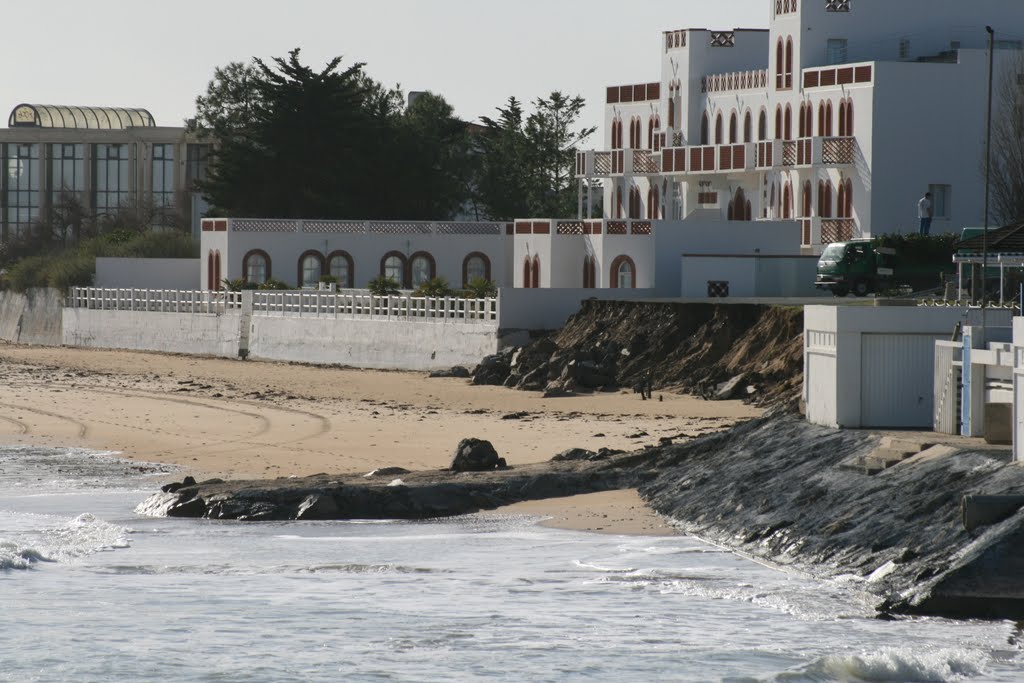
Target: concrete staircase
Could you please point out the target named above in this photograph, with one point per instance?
(891, 451)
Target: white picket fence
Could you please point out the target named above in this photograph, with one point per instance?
(298, 303)
(154, 300)
(353, 305)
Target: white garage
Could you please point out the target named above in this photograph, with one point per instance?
(873, 366)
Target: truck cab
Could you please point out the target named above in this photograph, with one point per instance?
(856, 266)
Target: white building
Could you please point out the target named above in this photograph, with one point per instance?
(754, 148)
(841, 115)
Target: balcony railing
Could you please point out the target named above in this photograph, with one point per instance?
(738, 80)
(745, 156)
(276, 225)
(588, 226)
(618, 162)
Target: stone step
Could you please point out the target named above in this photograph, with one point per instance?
(900, 443)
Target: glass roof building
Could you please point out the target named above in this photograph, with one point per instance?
(66, 164)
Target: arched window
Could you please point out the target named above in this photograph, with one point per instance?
(787, 201)
(623, 273)
(848, 209)
(704, 129)
(821, 119)
(807, 199)
(771, 200)
(535, 275)
(650, 133)
(617, 133)
(527, 270)
(778, 122)
(739, 204)
(779, 65)
(311, 267)
(340, 265)
(762, 125)
(788, 126)
(216, 270)
(824, 199)
(718, 129)
(422, 268)
(589, 272)
(393, 266)
(842, 118)
(733, 128)
(653, 203)
(849, 117)
(828, 118)
(789, 62)
(634, 202)
(841, 200)
(209, 270)
(747, 214)
(256, 266)
(747, 128)
(618, 201)
(671, 111)
(475, 265)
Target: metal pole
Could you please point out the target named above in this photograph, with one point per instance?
(988, 166)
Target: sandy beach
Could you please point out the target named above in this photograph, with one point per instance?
(244, 419)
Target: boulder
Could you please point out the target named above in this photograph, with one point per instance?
(494, 369)
(474, 455)
(728, 389)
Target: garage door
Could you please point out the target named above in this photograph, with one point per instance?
(897, 373)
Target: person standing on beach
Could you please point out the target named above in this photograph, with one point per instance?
(924, 212)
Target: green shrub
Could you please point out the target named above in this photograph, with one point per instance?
(383, 286)
(329, 279)
(274, 284)
(480, 288)
(71, 269)
(28, 272)
(435, 286)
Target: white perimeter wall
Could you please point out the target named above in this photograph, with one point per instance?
(421, 345)
(751, 276)
(148, 273)
(198, 334)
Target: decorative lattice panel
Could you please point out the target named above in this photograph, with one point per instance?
(263, 225)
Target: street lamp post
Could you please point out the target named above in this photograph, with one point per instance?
(988, 167)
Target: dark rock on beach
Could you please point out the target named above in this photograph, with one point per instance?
(474, 455)
(455, 371)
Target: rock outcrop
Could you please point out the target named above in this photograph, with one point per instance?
(713, 350)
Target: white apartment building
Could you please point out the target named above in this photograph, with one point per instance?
(840, 115)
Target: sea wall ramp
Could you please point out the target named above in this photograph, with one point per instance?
(777, 489)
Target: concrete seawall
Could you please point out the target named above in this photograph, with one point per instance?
(205, 334)
(31, 318)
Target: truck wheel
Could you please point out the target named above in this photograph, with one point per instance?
(861, 288)
(840, 291)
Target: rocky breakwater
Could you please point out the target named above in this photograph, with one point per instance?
(792, 493)
(478, 480)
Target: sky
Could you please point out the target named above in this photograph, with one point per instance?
(476, 53)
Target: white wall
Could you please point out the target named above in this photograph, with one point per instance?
(31, 318)
(705, 233)
(399, 345)
(285, 249)
(751, 276)
(148, 273)
(198, 334)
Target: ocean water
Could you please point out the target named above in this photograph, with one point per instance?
(90, 591)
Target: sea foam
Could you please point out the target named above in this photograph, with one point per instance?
(895, 664)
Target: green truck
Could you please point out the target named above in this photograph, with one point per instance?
(864, 266)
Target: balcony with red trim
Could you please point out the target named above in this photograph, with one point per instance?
(584, 226)
(618, 162)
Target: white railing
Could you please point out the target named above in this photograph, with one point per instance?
(358, 305)
(356, 227)
(154, 300)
